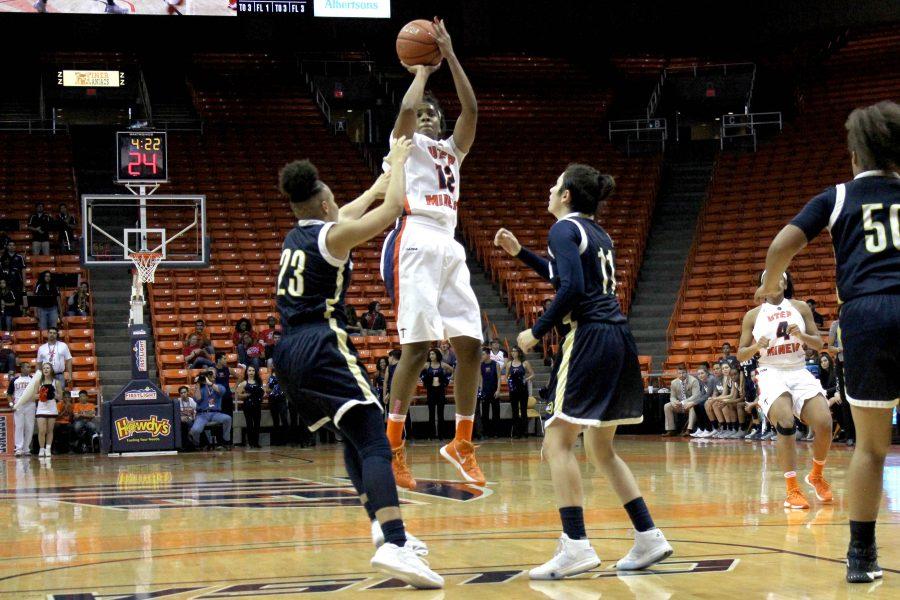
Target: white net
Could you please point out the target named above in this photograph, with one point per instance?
(146, 263)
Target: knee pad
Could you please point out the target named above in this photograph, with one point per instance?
(786, 430)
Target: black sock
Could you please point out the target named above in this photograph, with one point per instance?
(368, 506)
(573, 522)
(394, 532)
(639, 514)
(715, 424)
(862, 533)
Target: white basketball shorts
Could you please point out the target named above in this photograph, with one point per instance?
(799, 383)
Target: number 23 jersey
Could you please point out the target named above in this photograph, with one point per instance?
(773, 322)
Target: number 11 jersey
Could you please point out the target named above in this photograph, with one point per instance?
(773, 322)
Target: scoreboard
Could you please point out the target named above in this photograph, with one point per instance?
(141, 157)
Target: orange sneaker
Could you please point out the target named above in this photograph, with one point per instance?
(822, 488)
(796, 499)
(402, 474)
(461, 454)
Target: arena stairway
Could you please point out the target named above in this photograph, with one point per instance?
(686, 175)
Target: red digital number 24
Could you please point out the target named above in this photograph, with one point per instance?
(139, 159)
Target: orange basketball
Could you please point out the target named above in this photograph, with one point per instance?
(415, 44)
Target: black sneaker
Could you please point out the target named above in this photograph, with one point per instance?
(862, 564)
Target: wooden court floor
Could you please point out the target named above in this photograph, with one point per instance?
(282, 522)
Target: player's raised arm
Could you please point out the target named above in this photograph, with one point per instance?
(789, 241)
(346, 235)
(505, 239)
(464, 132)
(357, 208)
(405, 125)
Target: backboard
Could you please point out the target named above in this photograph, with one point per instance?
(116, 225)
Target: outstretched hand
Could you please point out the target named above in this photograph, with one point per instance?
(399, 152)
(442, 37)
(505, 239)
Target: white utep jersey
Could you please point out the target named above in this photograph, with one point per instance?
(432, 180)
(772, 322)
(20, 384)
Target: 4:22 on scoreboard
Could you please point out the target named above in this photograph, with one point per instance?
(142, 157)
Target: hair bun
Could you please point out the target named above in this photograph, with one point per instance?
(299, 180)
(607, 185)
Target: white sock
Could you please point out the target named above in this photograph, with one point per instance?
(396, 418)
(460, 417)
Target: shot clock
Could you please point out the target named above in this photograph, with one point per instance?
(142, 157)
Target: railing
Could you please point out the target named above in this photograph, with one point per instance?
(348, 67)
(656, 94)
(31, 125)
(186, 124)
(322, 103)
(745, 125)
(640, 130)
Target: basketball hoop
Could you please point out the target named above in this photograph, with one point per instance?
(146, 263)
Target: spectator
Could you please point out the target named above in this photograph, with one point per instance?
(834, 340)
(25, 415)
(435, 377)
(10, 305)
(817, 317)
(78, 304)
(7, 356)
(449, 354)
(250, 394)
(378, 380)
(845, 417)
(84, 428)
(489, 394)
(720, 408)
(65, 225)
(353, 327)
(40, 224)
(195, 355)
(684, 394)
(267, 336)
(188, 409)
(62, 428)
(717, 372)
(48, 390)
(827, 375)
(209, 409)
(205, 342)
(518, 374)
(698, 411)
(498, 355)
(47, 315)
(727, 357)
(393, 359)
(59, 356)
(12, 265)
(250, 352)
(243, 326)
(812, 362)
(270, 360)
(373, 321)
(279, 410)
(223, 378)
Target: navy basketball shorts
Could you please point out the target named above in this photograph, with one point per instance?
(597, 381)
(870, 337)
(318, 368)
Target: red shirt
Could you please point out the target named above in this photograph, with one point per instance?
(189, 349)
(268, 335)
(255, 350)
(237, 336)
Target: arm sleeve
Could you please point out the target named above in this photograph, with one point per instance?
(816, 215)
(539, 264)
(565, 239)
(11, 389)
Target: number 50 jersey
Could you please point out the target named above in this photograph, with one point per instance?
(773, 322)
(311, 282)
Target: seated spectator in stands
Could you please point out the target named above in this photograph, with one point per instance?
(449, 354)
(498, 354)
(188, 409)
(812, 362)
(267, 335)
(12, 265)
(10, 305)
(40, 224)
(717, 372)
(84, 427)
(817, 317)
(195, 355)
(200, 330)
(65, 226)
(373, 321)
(684, 394)
(243, 326)
(721, 406)
(379, 379)
(353, 327)
(209, 409)
(250, 393)
(223, 378)
(250, 352)
(47, 316)
(827, 374)
(698, 411)
(62, 429)
(78, 304)
(729, 358)
(270, 350)
(7, 356)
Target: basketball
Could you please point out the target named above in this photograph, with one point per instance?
(416, 45)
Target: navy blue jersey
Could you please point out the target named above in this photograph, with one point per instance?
(582, 269)
(489, 381)
(863, 217)
(311, 282)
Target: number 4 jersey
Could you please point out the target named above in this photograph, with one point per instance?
(773, 322)
(311, 282)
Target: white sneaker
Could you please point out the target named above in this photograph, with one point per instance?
(698, 433)
(708, 434)
(112, 9)
(403, 564)
(40, 6)
(718, 434)
(412, 542)
(649, 548)
(42, 452)
(572, 557)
